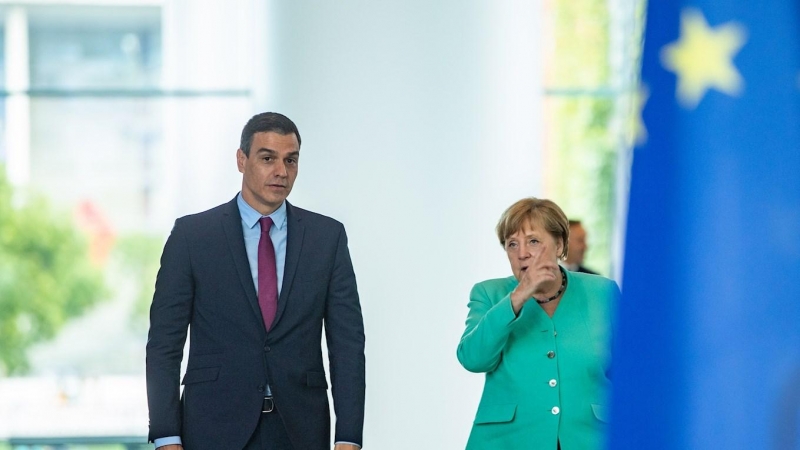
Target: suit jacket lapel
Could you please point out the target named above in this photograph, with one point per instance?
(294, 244)
(232, 224)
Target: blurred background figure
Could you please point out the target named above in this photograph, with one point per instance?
(577, 248)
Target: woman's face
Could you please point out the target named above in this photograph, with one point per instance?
(532, 245)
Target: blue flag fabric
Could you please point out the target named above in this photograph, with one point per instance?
(707, 350)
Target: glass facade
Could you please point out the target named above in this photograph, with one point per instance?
(73, 49)
(91, 150)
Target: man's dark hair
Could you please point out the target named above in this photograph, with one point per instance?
(573, 222)
(264, 123)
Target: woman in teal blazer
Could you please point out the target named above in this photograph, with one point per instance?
(547, 360)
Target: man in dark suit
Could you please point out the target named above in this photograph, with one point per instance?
(254, 280)
(577, 248)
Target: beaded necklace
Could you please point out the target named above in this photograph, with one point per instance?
(560, 290)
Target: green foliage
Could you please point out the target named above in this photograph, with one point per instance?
(587, 163)
(581, 44)
(138, 255)
(46, 276)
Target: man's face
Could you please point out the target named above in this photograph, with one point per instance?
(577, 244)
(270, 170)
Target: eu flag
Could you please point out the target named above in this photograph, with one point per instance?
(707, 349)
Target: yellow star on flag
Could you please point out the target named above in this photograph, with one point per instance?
(702, 58)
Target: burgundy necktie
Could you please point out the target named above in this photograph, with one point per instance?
(267, 275)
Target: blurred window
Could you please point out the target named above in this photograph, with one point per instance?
(94, 47)
(592, 58)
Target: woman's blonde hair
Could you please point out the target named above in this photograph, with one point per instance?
(536, 211)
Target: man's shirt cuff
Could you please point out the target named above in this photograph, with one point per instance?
(170, 440)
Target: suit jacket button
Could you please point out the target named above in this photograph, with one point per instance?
(551, 354)
(261, 388)
(266, 348)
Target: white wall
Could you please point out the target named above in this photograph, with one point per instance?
(208, 46)
(420, 122)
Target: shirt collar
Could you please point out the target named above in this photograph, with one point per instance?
(250, 216)
(570, 267)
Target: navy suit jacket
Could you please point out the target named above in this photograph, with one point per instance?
(205, 284)
(585, 270)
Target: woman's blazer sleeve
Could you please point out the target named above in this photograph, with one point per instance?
(489, 323)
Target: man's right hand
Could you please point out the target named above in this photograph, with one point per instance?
(170, 447)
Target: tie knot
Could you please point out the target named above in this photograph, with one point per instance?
(266, 223)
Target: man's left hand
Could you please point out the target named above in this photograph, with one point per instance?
(346, 447)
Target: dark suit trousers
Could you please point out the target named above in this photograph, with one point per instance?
(270, 434)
